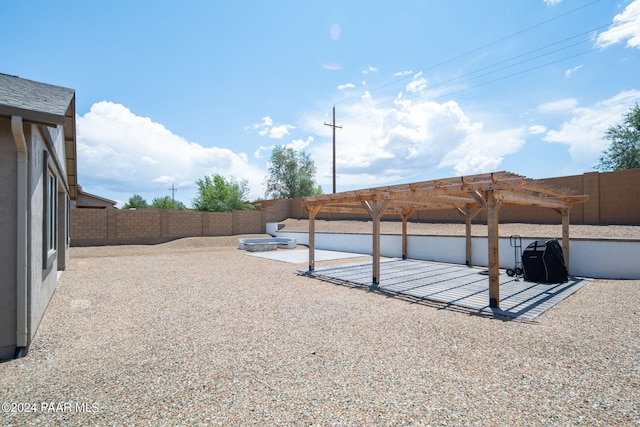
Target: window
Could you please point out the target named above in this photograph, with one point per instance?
(68, 213)
(50, 214)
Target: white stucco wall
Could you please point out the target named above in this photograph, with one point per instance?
(602, 259)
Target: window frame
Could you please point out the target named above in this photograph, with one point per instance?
(50, 213)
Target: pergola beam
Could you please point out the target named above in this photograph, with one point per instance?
(544, 188)
(398, 207)
(444, 187)
(521, 198)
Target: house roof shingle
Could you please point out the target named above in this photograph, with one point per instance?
(34, 101)
(43, 104)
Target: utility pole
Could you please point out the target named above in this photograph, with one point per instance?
(173, 190)
(334, 126)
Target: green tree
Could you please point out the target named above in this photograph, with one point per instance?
(216, 194)
(166, 203)
(292, 174)
(136, 202)
(624, 150)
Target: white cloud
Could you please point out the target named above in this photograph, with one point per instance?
(296, 144)
(584, 131)
(625, 26)
(402, 73)
(369, 70)
(263, 148)
(483, 151)
(570, 71)
(149, 160)
(266, 121)
(164, 179)
(552, 2)
(562, 105)
(300, 144)
(267, 128)
(417, 85)
(346, 86)
(120, 153)
(537, 129)
(386, 140)
(278, 132)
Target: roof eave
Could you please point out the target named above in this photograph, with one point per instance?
(37, 117)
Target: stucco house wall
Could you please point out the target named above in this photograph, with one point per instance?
(8, 236)
(37, 179)
(42, 273)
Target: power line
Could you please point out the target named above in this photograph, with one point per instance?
(460, 79)
(518, 73)
(530, 52)
(462, 55)
(449, 94)
(517, 33)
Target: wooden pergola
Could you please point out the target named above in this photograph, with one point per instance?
(468, 194)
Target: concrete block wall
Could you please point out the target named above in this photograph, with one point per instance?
(217, 223)
(92, 224)
(135, 224)
(91, 227)
(591, 209)
(247, 222)
(614, 199)
(619, 197)
(179, 223)
(276, 210)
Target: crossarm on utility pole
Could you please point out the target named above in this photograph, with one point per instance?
(334, 126)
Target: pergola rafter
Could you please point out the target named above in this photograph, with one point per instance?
(468, 194)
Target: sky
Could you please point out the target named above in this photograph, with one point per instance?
(170, 92)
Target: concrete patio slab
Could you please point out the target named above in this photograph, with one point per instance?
(457, 285)
(301, 256)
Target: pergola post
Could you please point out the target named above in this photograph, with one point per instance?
(312, 235)
(405, 217)
(565, 236)
(469, 214)
(494, 252)
(375, 209)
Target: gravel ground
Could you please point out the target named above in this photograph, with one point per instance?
(195, 332)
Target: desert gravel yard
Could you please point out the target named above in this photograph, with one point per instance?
(195, 332)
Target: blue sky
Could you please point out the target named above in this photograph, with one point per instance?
(168, 92)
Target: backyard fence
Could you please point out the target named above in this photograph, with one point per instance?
(90, 227)
(614, 198)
